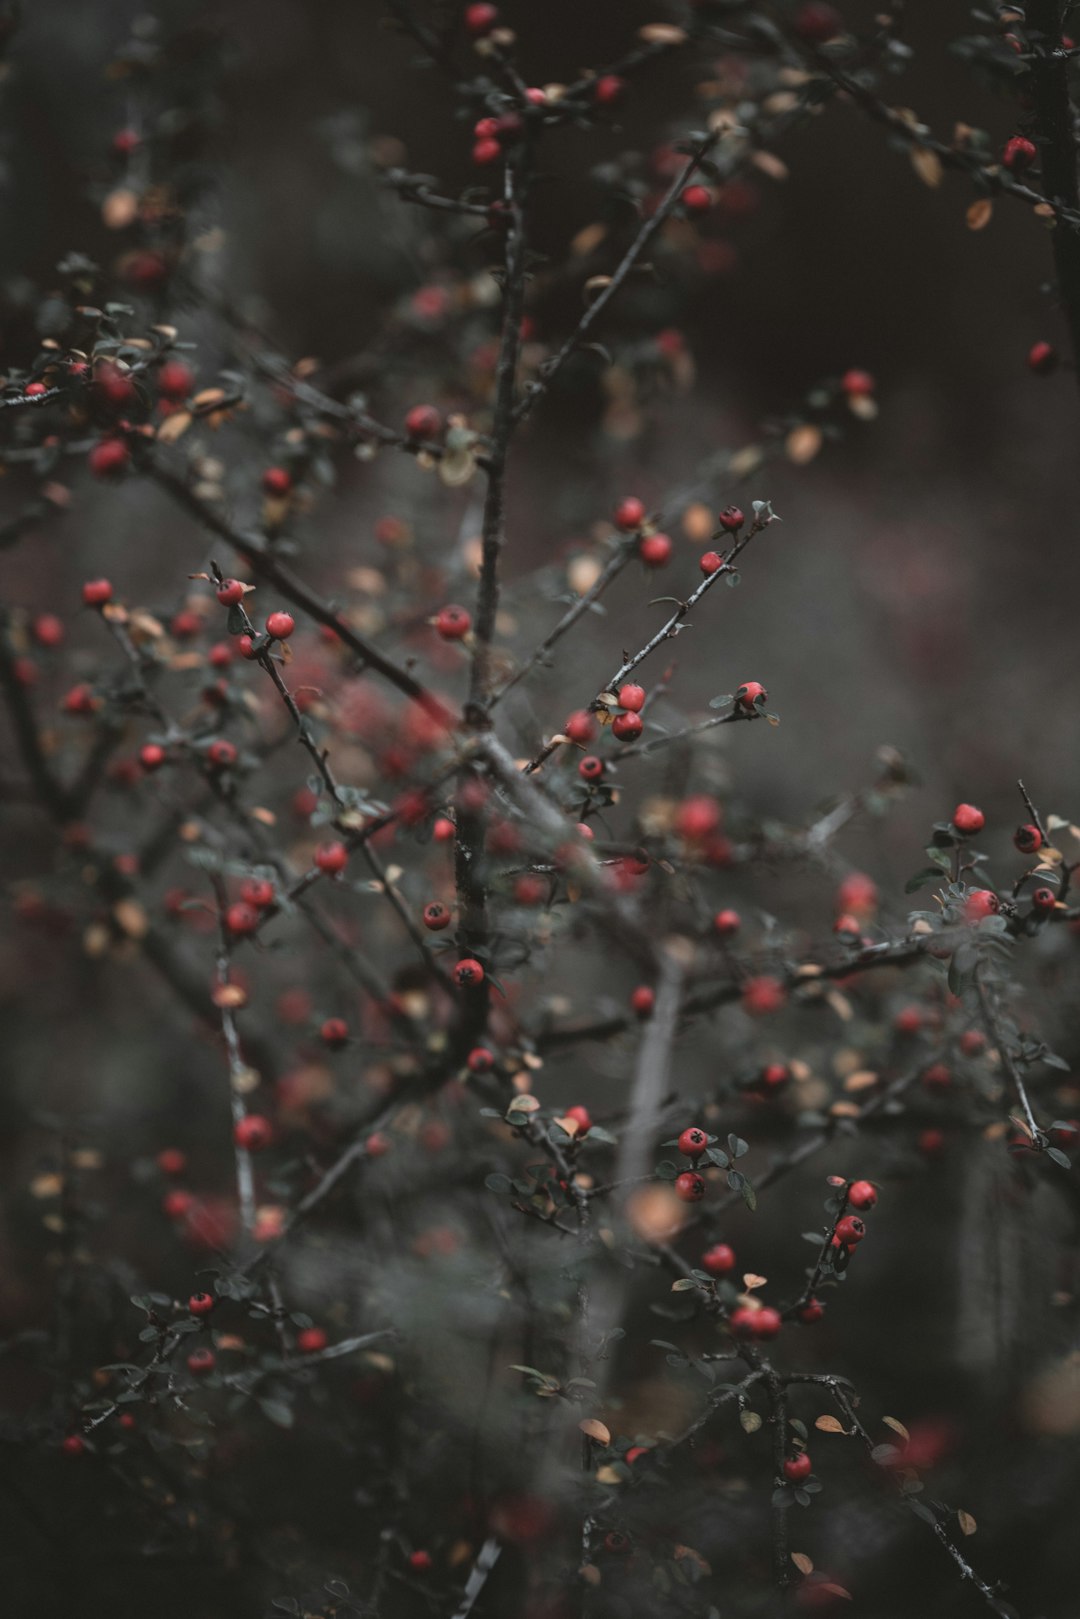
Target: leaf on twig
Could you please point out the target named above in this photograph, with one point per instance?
(967, 1523)
(830, 1424)
(979, 214)
(804, 1564)
(594, 1429)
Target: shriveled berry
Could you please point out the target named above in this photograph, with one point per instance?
(731, 519)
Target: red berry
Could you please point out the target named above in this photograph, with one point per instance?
(175, 380)
(858, 384)
(109, 457)
(230, 592)
(171, 1161)
(480, 19)
(972, 1042)
(34, 390)
(796, 1468)
(436, 916)
(331, 858)
(696, 199)
(468, 972)
(421, 1561)
(201, 1362)
(697, 818)
(862, 1195)
(767, 1323)
(761, 996)
(424, 421)
(1043, 900)
(810, 1312)
(689, 1186)
(80, 700)
(857, 894)
(710, 562)
(444, 830)
(731, 519)
(486, 151)
(253, 1133)
(632, 698)
(727, 922)
(981, 902)
(625, 727)
(642, 1001)
(151, 756)
(967, 819)
(1019, 154)
(909, 1020)
(938, 1077)
(693, 1141)
(377, 1145)
(257, 891)
(1028, 839)
(73, 1444)
(48, 630)
(629, 514)
(126, 141)
(850, 1231)
(655, 550)
(580, 727)
(742, 1321)
(201, 1303)
(581, 1117)
(1043, 359)
(221, 754)
(309, 1340)
(96, 592)
(277, 481)
(241, 919)
(334, 1033)
(719, 1259)
(750, 693)
(608, 88)
(452, 623)
(279, 626)
(177, 1203)
(591, 768)
(774, 1077)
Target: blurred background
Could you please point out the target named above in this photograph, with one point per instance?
(920, 592)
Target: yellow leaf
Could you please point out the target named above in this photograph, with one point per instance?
(967, 1523)
(927, 166)
(750, 1421)
(829, 1424)
(804, 1564)
(594, 1429)
(661, 33)
(751, 1281)
(897, 1427)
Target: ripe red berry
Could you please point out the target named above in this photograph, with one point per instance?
(689, 1187)
(48, 630)
(625, 727)
(1019, 153)
(241, 919)
(858, 384)
(486, 151)
(80, 700)
(171, 1161)
(850, 1231)
(480, 19)
(810, 1312)
(629, 514)
(423, 422)
(151, 756)
(938, 1077)
(331, 858)
(1043, 900)
(608, 88)
(816, 23)
(710, 562)
(862, 1195)
(581, 1117)
(719, 1259)
(177, 1203)
(201, 1362)
(580, 727)
(421, 1560)
(693, 1141)
(655, 550)
(967, 819)
(73, 1444)
(750, 693)
(221, 754)
(34, 390)
(444, 830)
(767, 1322)
(698, 817)
(727, 922)
(452, 623)
(469, 973)
(796, 1468)
(981, 902)
(1028, 839)
(632, 698)
(334, 1033)
(774, 1077)
(175, 380)
(696, 199)
(201, 1303)
(279, 626)
(731, 519)
(247, 646)
(257, 891)
(742, 1321)
(126, 141)
(972, 1042)
(436, 916)
(96, 592)
(277, 481)
(763, 995)
(230, 592)
(253, 1133)
(591, 768)
(377, 1145)
(930, 1142)
(642, 1001)
(309, 1340)
(1043, 359)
